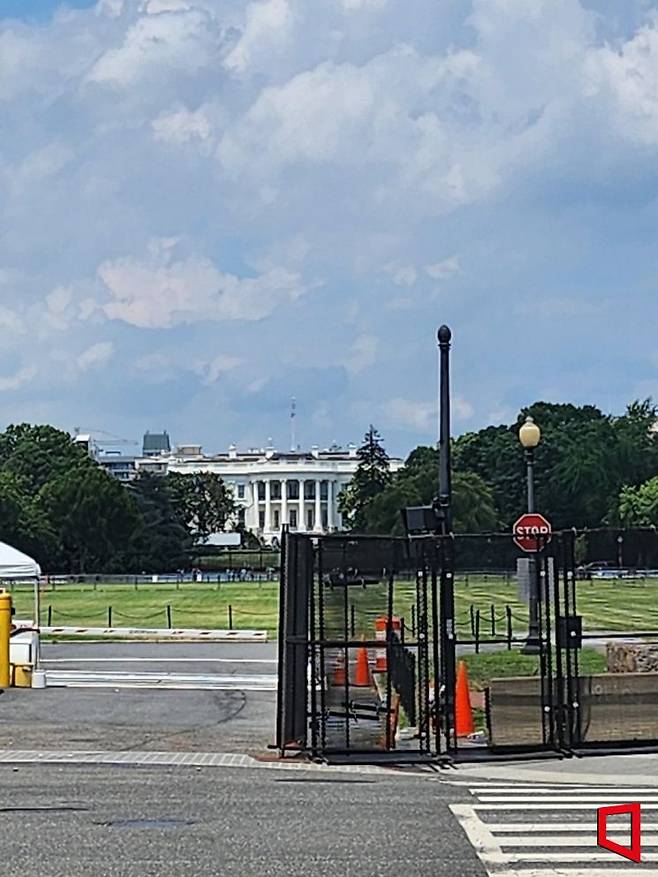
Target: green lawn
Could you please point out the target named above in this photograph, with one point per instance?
(605, 605)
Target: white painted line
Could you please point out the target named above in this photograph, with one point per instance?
(595, 798)
(164, 660)
(483, 841)
(539, 856)
(543, 827)
(577, 872)
(587, 840)
(210, 681)
(548, 808)
(558, 789)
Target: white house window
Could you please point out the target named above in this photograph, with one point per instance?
(293, 519)
(277, 520)
(309, 519)
(240, 491)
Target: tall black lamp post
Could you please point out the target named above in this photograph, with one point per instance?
(529, 436)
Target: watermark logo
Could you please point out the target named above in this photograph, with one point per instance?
(634, 852)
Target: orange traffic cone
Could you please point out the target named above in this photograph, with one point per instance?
(464, 724)
(339, 672)
(362, 675)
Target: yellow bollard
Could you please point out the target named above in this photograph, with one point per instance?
(5, 630)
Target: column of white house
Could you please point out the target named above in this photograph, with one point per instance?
(318, 508)
(254, 505)
(268, 507)
(284, 501)
(330, 505)
(301, 523)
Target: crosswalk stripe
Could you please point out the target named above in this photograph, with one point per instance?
(577, 806)
(587, 840)
(596, 799)
(577, 872)
(550, 843)
(543, 827)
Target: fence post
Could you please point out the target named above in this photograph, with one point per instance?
(109, 616)
(230, 617)
(352, 621)
(472, 615)
(508, 613)
(413, 619)
(50, 615)
(169, 624)
(493, 620)
(402, 630)
(477, 632)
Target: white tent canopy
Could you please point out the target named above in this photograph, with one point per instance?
(16, 565)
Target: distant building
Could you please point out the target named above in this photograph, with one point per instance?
(156, 443)
(271, 488)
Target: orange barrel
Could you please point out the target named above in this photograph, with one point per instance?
(381, 665)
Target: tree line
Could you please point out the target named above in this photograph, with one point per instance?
(58, 505)
(591, 470)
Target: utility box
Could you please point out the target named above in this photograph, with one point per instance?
(23, 647)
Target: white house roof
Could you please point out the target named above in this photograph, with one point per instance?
(15, 565)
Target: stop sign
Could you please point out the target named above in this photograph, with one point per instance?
(531, 531)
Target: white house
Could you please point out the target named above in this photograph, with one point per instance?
(272, 488)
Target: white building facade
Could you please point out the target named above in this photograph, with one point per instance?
(273, 488)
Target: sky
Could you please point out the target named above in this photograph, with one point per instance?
(210, 206)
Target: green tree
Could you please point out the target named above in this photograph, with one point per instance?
(203, 502)
(37, 454)
(93, 518)
(23, 522)
(638, 506)
(416, 484)
(161, 539)
(372, 476)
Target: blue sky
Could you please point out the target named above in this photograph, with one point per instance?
(209, 206)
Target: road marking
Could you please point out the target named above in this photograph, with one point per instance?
(200, 681)
(164, 660)
(598, 797)
(546, 847)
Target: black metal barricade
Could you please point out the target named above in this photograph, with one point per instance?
(370, 638)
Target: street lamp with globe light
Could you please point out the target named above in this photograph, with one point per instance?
(530, 436)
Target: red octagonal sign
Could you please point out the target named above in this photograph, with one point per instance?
(531, 532)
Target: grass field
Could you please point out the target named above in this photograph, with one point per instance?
(605, 605)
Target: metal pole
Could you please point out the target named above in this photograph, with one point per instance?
(445, 486)
(531, 646)
(5, 631)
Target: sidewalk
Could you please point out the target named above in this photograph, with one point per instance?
(608, 770)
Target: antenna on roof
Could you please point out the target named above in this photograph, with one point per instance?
(293, 415)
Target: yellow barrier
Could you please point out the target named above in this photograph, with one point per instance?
(5, 630)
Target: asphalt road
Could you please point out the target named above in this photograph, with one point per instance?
(174, 822)
(117, 718)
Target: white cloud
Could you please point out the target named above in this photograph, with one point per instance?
(97, 354)
(443, 269)
(363, 353)
(182, 126)
(401, 275)
(212, 370)
(267, 27)
(19, 379)
(411, 415)
(158, 291)
(462, 408)
(171, 42)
